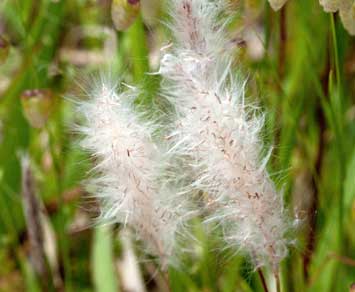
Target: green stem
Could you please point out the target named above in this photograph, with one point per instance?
(335, 47)
(337, 113)
(61, 230)
(139, 51)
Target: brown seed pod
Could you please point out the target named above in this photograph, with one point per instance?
(37, 105)
(124, 13)
(347, 16)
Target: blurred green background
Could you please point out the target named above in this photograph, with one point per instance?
(300, 65)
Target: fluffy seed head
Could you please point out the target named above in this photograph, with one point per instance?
(219, 135)
(121, 144)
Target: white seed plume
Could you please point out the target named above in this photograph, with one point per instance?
(126, 162)
(220, 134)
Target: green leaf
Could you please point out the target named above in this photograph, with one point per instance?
(104, 273)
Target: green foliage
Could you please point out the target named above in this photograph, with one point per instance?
(105, 277)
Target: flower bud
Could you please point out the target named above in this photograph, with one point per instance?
(124, 12)
(37, 105)
(4, 49)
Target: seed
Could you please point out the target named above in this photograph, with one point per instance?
(124, 13)
(37, 105)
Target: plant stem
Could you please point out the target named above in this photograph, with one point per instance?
(262, 279)
(167, 280)
(32, 212)
(316, 172)
(336, 53)
(64, 245)
(283, 39)
(337, 110)
(278, 284)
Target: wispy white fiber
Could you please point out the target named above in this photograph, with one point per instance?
(121, 144)
(217, 133)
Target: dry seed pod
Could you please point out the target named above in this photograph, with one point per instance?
(346, 10)
(4, 49)
(37, 105)
(32, 211)
(277, 4)
(347, 17)
(124, 12)
(335, 5)
(330, 5)
(345, 4)
(150, 11)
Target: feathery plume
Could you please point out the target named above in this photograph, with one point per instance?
(220, 134)
(126, 163)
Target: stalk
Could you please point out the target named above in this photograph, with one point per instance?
(262, 279)
(277, 280)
